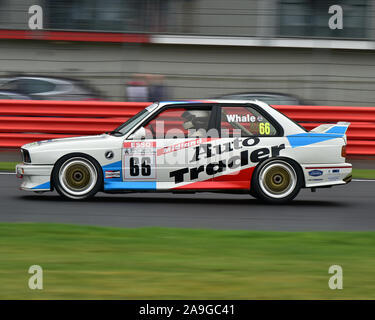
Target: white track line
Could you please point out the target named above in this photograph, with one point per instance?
(7, 173)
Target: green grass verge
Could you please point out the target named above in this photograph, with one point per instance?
(363, 174)
(81, 262)
(8, 166)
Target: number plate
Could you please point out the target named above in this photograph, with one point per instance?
(139, 160)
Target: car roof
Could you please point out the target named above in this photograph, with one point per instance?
(55, 80)
(36, 76)
(256, 93)
(288, 125)
(209, 101)
(49, 79)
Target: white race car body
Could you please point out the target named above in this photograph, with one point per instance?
(195, 163)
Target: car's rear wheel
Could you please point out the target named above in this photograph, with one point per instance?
(77, 176)
(277, 181)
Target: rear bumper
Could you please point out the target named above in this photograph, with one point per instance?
(34, 177)
(321, 175)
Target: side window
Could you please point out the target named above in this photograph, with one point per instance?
(244, 121)
(31, 86)
(179, 123)
(10, 85)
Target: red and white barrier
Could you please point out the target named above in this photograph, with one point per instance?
(27, 121)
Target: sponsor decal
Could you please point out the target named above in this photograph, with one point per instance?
(180, 146)
(242, 118)
(109, 154)
(333, 178)
(208, 151)
(315, 173)
(139, 160)
(139, 146)
(335, 170)
(110, 174)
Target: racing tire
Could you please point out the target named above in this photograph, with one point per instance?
(277, 180)
(77, 176)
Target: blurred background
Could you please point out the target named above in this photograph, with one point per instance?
(281, 51)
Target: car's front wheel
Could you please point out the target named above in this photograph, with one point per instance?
(277, 181)
(77, 176)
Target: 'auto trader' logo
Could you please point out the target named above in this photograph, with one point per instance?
(242, 159)
(315, 173)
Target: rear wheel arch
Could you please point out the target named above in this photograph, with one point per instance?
(297, 165)
(254, 184)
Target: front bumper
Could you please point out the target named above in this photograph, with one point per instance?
(34, 177)
(321, 175)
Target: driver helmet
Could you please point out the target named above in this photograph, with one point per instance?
(196, 119)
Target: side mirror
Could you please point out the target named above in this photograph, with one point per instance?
(138, 135)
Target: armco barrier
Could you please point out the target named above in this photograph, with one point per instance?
(27, 121)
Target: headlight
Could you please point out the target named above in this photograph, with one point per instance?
(20, 172)
(25, 156)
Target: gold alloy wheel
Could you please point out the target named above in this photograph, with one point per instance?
(77, 176)
(277, 179)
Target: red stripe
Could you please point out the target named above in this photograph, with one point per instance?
(74, 36)
(235, 181)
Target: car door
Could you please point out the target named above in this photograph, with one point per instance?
(248, 136)
(165, 157)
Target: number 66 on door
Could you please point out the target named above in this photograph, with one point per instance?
(139, 163)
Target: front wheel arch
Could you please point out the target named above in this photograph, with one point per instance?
(66, 157)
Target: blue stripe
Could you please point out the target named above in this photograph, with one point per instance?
(113, 166)
(305, 139)
(118, 184)
(46, 185)
(337, 129)
(129, 185)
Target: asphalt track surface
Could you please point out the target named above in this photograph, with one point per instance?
(349, 207)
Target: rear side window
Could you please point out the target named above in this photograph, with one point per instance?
(30, 86)
(245, 121)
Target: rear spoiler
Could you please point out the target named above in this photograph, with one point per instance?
(338, 128)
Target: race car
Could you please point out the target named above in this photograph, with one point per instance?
(193, 146)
